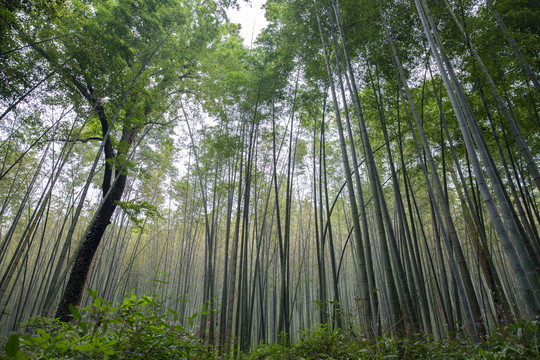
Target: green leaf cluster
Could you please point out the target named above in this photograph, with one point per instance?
(519, 341)
(139, 211)
(132, 329)
(138, 328)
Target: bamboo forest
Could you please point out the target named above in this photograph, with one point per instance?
(359, 181)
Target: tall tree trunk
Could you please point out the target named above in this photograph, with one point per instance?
(477, 325)
(79, 272)
(348, 177)
(512, 43)
(512, 123)
(375, 184)
(523, 271)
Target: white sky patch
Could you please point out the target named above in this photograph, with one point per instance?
(250, 17)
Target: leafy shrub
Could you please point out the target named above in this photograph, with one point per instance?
(320, 342)
(519, 341)
(137, 328)
(131, 330)
(272, 351)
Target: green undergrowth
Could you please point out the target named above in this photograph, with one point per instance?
(519, 341)
(138, 328)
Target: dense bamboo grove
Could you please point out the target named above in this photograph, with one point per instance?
(369, 164)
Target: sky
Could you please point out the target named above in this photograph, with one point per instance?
(250, 17)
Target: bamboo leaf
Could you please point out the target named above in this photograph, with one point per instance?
(12, 345)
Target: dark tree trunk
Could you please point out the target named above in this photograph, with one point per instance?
(79, 272)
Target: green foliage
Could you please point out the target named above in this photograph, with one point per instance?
(137, 328)
(132, 329)
(12, 345)
(320, 342)
(11, 9)
(139, 211)
(519, 341)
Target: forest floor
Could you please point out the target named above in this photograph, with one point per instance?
(138, 328)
